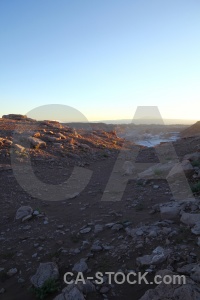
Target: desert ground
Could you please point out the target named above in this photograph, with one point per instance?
(149, 229)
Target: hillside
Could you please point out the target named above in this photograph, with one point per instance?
(51, 140)
(193, 130)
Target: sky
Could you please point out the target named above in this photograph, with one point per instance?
(103, 58)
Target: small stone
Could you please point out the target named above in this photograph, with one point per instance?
(85, 230)
(195, 273)
(152, 233)
(109, 225)
(158, 250)
(27, 227)
(96, 248)
(155, 187)
(77, 251)
(12, 272)
(139, 246)
(85, 244)
(34, 255)
(36, 213)
(139, 232)
(2, 291)
(107, 247)
(60, 226)
(196, 229)
(117, 227)
(104, 290)
(144, 260)
(87, 287)
(158, 259)
(98, 228)
(80, 267)
(27, 218)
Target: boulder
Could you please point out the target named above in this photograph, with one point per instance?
(186, 269)
(37, 134)
(19, 148)
(192, 156)
(37, 143)
(144, 260)
(5, 142)
(190, 219)
(87, 287)
(71, 292)
(53, 139)
(84, 146)
(45, 272)
(158, 256)
(128, 168)
(14, 117)
(195, 273)
(60, 135)
(23, 212)
(174, 291)
(170, 211)
(193, 270)
(178, 169)
(156, 171)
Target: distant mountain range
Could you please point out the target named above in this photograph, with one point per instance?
(147, 121)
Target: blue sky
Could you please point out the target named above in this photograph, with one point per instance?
(103, 58)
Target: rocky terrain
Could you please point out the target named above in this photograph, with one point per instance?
(133, 131)
(193, 130)
(151, 229)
